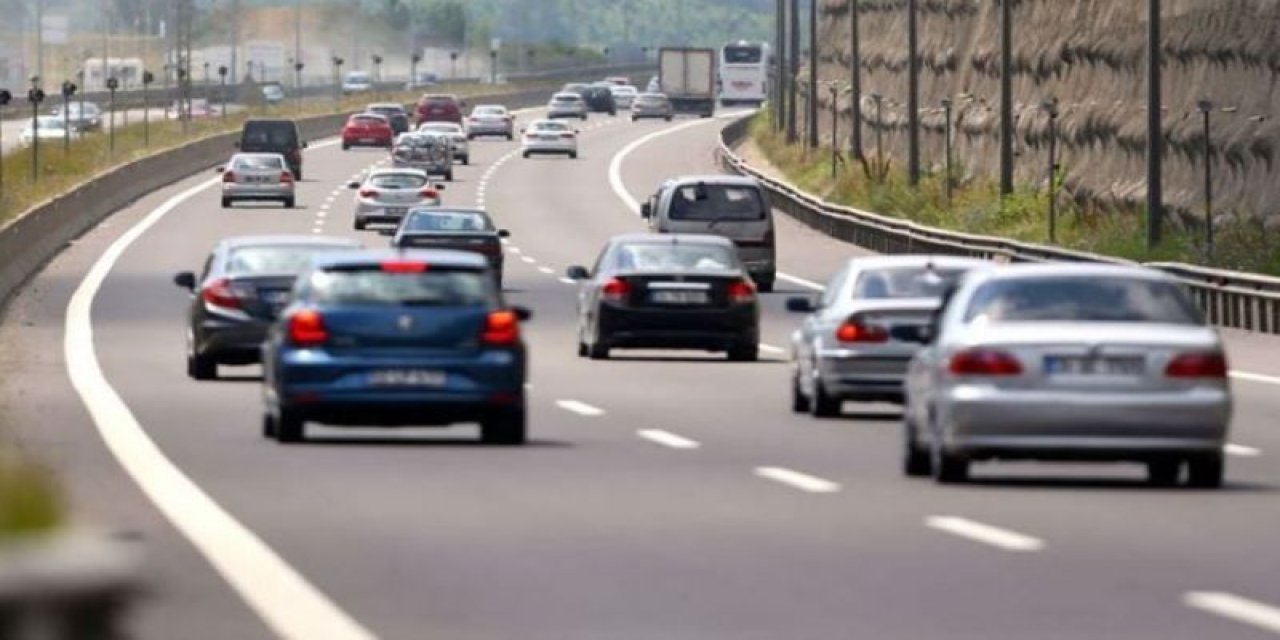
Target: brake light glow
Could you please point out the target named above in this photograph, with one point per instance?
(1198, 365)
(306, 329)
(742, 292)
(368, 193)
(228, 176)
(984, 362)
(403, 266)
(429, 193)
(220, 294)
(286, 177)
(855, 331)
(615, 290)
(501, 329)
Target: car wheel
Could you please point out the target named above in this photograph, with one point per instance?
(466, 160)
(226, 202)
(765, 286)
(573, 155)
(268, 425)
(799, 401)
(290, 203)
(201, 367)
(821, 404)
(916, 462)
(669, 118)
(633, 118)
(598, 349)
(297, 174)
(524, 154)
(745, 352)
(1206, 471)
(346, 147)
(504, 427)
(359, 224)
(1164, 473)
(582, 349)
(510, 137)
(471, 137)
(290, 428)
(448, 177)
(948, 468)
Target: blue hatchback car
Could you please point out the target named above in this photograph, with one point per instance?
(396, 338)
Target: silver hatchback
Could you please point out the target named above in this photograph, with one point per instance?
(1069, 362)
(386, 195)
(257, 176)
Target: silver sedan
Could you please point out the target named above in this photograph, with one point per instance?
(1069, 362)
(567, 105)
(386, 195)
(858, 338)
(257, 176)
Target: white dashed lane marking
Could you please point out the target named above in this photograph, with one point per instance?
(797, 480)
(667, 439)
(1237, 608)
(546, 270)
(984, 533)
(1242, 451)
(580, 408)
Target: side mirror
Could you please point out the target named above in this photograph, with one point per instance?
(801, 304)
(926, 334)
(523, 313)
(440, 187)
(219, 169)
(304, 145)
(186, 280)
(646, 210)
(354, 184)
(523, 130)
(577, 273)
(503, 233)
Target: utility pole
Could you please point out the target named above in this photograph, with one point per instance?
(793, 72)
(1155, 129)
(1006, 97)
(780, 66)
(913, 93)
(40, 38)
(235, 38)
(855, 80)
(812, 116)
(297, 45)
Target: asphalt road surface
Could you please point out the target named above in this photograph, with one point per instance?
(664, 495)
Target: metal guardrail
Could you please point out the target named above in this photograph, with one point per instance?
(1231, 299)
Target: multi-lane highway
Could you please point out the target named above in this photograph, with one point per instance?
(663, 495)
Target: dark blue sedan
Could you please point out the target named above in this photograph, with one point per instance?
(396, 338)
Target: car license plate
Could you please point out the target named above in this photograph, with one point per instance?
(679, 297)
(396, 211)
(407, 378)
(367, 140)
(275, 297)
(1094, 366)
(258, 179)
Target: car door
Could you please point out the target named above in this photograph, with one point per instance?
(924, 370)
(819, 324)
(589, 292)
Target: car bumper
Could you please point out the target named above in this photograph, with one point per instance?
(231, 341)
(256, 192)
(548, 146)
(481, 129)
(364, 141)
(390, 213)
(709, 329)
(566, 114)
(870, 374)
(649, 113)
(983, 421)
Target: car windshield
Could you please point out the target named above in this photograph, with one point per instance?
(743, 54)
(1082, 299)
(387, 111)
(716, 202)
(357, 77)
(905, 282)
(433, 287)
(566, 98)
(676, 257)
(438, 220)
(272, 90)
(244, 163)
(274, 259)
(267, 134)
(397, 181)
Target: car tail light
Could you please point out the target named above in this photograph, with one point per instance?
(616, 290)
(403, 266)
(286, 177)
(368, 193)
(984, 362)
(220, 294)
(228, 176)
(853, 330)
(429, 193)
(1197, 365)
(742, 292)
(501, 329)
(306, 329)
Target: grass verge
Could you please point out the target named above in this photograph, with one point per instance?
(30, 502)
(976, 207)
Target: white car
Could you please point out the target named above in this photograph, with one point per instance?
(386, 195)
(490, 120)
(549, 136)
(623, 95)
(47, 128)
(461, 150)
(567, 105)
(654, 85)
(257, 177)
(357, 82)
(91, 118)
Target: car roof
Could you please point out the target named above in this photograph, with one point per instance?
(257, 154)
(386, 105)
(270, 121)
(386, 171)
(444, 257)
(237, 242)
(366, 114)
(566, 94)
(491, 106)
(716, 178)
(1075, 270)
(916, 260)
(446, 209)
(671, 239)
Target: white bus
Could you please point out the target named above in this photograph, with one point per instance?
(744, 70)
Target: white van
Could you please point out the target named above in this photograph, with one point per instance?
(731, 206)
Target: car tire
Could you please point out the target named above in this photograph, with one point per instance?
(505, 427)
(669, 118)
(745, 352)
(297, 175)
(346, 147)
(948, 468)
(290, 203)
(510, 137)
(799, 401)
(524, 154)
(598, 350)
(470, 137)
(268, 426)
(821, 404)
(226, 203)
(290, 428)
(916, 462)
(201, 367)
(1206, 471)
(633, 118)
(582, 349)
(448, 177)
(1164, 473)
(573, 155)
(765, 286)
(466, 160)
(359, 224)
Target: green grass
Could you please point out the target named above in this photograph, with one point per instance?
(30, 502)
(976, 207)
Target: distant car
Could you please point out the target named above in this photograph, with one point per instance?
(395, 114)
(87, 120)
(490, 120)
(439, 107)
(423, 81)
(200, 108)
(456, 135)
(257, 177)
(246, 281)
(574, 87)
(386, 195)
(667, 292)
(47, 128)
(357, 82)
(397, 338)
(567, 105)
(367, 130)
(1069, 362)
(430, 152)
(860, 334)
(273, 93)
(274, 136)
(618, 80)
(624, 95)
(599, 99)
(653, 86)
(548, 136)
(449, 228)
(652, 105)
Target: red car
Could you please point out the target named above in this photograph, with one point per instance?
(444, 107)
(367, 130)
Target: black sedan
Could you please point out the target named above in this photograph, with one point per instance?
(669, 291)
(599, 99)
(245, 283)
(451, 228)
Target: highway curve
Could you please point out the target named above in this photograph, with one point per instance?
(663, 495)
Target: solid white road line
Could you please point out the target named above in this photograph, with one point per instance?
(808, 284)
(1255, 377)
(985, 533)
(768, 348)
(1233, 607)
(546, 270)
(290, 606)
(667, 439)
(801, 481)
(615, 165)
(580, 408)
(527, 259)
(1242, 451)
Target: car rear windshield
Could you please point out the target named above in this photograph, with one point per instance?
(398, 181)
(490, 111)
(442, 127)
(905, 282)
(418, 141)
(717, 202)
(368, 120)
(567, 98)
(676, 257)
(275, 259)
(436, 220)
(250, 163)
(1082, 299)
(270, 134)
(432, 287)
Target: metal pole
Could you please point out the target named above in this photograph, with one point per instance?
(1051, 106)
(793, 74)
(1206, 109)
(950, 181)
(34, 98)
(835, 127)
(235, 39)
(146, 107)
(780, 66)
(1006, 97)
(40, 38)
(5, 97)
(66, 121)
(1155, 133)
(812, 115)
(879, 100)
(111, 107)
(913, 95)
(855, 80)
(297, 45)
